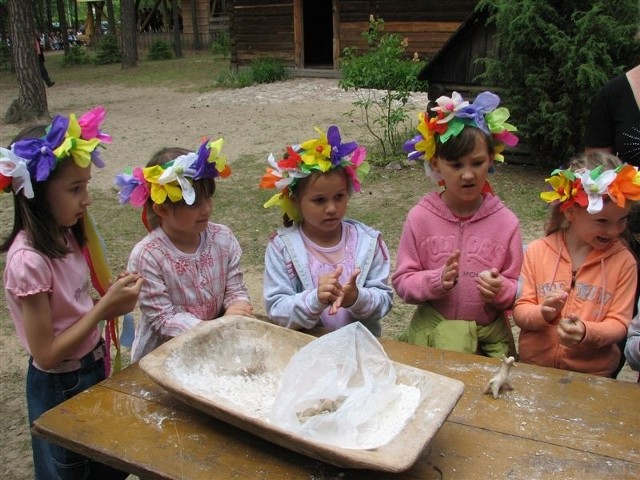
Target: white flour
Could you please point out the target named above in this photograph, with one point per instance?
(253, 395)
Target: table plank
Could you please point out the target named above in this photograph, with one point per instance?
(595, 414)
(568, 409)
(152, 440)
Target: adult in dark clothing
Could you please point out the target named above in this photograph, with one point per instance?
(613, 126)
(43, 69)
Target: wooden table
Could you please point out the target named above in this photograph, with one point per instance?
(555, 424)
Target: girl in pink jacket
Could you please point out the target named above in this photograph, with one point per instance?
(460, 251)
(579, 280)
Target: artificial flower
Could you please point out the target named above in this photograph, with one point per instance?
(317, 151)
(339, 150)
(90, 125)
(321, 154)
(356, 166)
(595, 184)
(448, 106)
(177, 171)
(76, 147)
(14, 172)
(40, 151)
(133, 187)
(484, 104)
(626, 186)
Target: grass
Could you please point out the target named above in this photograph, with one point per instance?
(195, 72)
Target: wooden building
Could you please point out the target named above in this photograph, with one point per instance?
(311, 34)
(455, 66)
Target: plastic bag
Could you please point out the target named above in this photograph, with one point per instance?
(341, 389)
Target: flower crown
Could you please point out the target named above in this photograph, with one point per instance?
(173, 180)
(587, 188)
(33, 159)
(322, 154)
(452, 115)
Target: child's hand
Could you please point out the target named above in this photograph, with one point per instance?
(450, 272)
(553, 304)
(240, 307)
(329, 288)
(122, 295)
(349, 293)
(571, 330)
(489, 284)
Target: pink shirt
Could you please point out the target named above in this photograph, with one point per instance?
(324, 260)
(66, 280)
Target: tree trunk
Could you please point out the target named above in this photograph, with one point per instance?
(194, 22)
(62, 16)
(31, 103)
(129, 34)
(76, 23)
(111, 17)
(177, 46)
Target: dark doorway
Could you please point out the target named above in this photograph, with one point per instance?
(318, 33)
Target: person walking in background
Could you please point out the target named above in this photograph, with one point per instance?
(47, 280)
(578, 281)
(43, 68)
(460, 250)
(322, 269)
(191, 265)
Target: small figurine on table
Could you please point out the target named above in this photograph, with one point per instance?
(502, 378)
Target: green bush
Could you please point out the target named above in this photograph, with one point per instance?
(222, 44)
(107, 51)
(554, 56)
(268, 70)
(239, 79)
(261, 70)
(160, 50)
(383, 79)
(77, 55)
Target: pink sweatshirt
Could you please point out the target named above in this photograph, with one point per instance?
(601, 293)
(490, 238)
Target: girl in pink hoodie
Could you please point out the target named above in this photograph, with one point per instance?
(460, 251)
(579, 280)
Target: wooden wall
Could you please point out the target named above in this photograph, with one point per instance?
(266, 27)
(261, 28)
(203, 14)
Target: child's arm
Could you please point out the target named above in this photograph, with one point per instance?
(413, 281)
(498, 286)
(613, 327)
(49, 350)
(236, 295)
(286, 303)
(527, 310)
(632, 348)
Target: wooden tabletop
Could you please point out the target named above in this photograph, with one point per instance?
(554, 424)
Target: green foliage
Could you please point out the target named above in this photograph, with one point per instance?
(160, 50)
(77, 55)
(241, 78)
(261, 70)
(222, 44)
(554, 56)
(108, 51)
(383, 79)
(268, 70)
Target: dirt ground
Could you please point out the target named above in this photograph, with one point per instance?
(257, 119)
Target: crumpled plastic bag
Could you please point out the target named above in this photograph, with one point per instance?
(340, 389)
